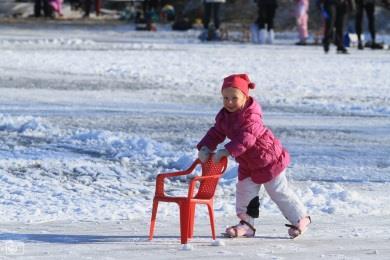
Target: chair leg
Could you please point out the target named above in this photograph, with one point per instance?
(184, 217)
(210, 207)
(153, 219)
(191, 220)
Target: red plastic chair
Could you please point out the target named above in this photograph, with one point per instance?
(211, 173)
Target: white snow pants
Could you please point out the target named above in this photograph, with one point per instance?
(288, 202)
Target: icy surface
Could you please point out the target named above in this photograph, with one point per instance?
(89, 116)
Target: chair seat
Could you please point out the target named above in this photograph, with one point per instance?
(170, 199)
(182, 199)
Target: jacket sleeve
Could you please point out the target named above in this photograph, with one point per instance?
(214, 135)
(246, 137)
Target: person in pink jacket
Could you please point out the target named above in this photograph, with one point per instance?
(261, 157)
(302, 16)
(57, 6)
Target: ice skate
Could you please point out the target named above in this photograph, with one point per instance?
(271, 37)
(326, 46)
(360, 45)
(301, 42)
(297, 230)
(242, 229)
(254, 29)
(342, 50)
(376, 46)
(262, 36)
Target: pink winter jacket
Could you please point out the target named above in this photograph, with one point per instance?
(258, 152)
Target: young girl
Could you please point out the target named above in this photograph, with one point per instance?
(262, 159)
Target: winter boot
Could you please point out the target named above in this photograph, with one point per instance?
(262, 36)
(271, 37)
(342, 50)
(360, 45)
(376, 46)
(204, 35)
(301, 42)
(326, 46)
(300, 228)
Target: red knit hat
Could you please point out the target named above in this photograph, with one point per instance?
(240, 81)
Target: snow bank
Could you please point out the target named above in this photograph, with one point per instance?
(89, 174)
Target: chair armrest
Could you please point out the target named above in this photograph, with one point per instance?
(161, 176)
(172, 174)
(202, 178)
(196, 179)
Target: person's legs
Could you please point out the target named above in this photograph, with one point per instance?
(359, 22)
(304, 26)
(87, 8)
(207, 14)
(37, 8)
(271, 10)
(330, 9)
(302, 21)
(247, 198)
(47, 9)
(270, 16)
(261, 21)
(289, 204)
(56, 6)
(287, 201)
(247, 208)
(341, 10)
(216, 8)
(370, 11)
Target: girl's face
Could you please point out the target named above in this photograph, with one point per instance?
(233, 99)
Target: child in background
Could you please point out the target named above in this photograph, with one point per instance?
(57, 6)
(301, 14)
(262, 159)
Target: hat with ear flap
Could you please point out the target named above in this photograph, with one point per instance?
(239, 81)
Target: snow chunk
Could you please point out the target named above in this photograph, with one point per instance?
(218, 242)
(187, 247)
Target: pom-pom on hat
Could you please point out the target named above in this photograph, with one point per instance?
(239, 81)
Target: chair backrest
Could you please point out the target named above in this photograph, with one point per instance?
(207, 187)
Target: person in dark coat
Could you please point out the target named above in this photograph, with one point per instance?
(42, 5)
(369, 7)
(212, 9)
(334, 13)
(266, 10)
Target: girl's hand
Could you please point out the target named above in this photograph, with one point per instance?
(203, 154)
(219, 154)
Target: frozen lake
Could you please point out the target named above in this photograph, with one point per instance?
(89, 115)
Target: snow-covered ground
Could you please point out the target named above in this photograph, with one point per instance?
(90, 114)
